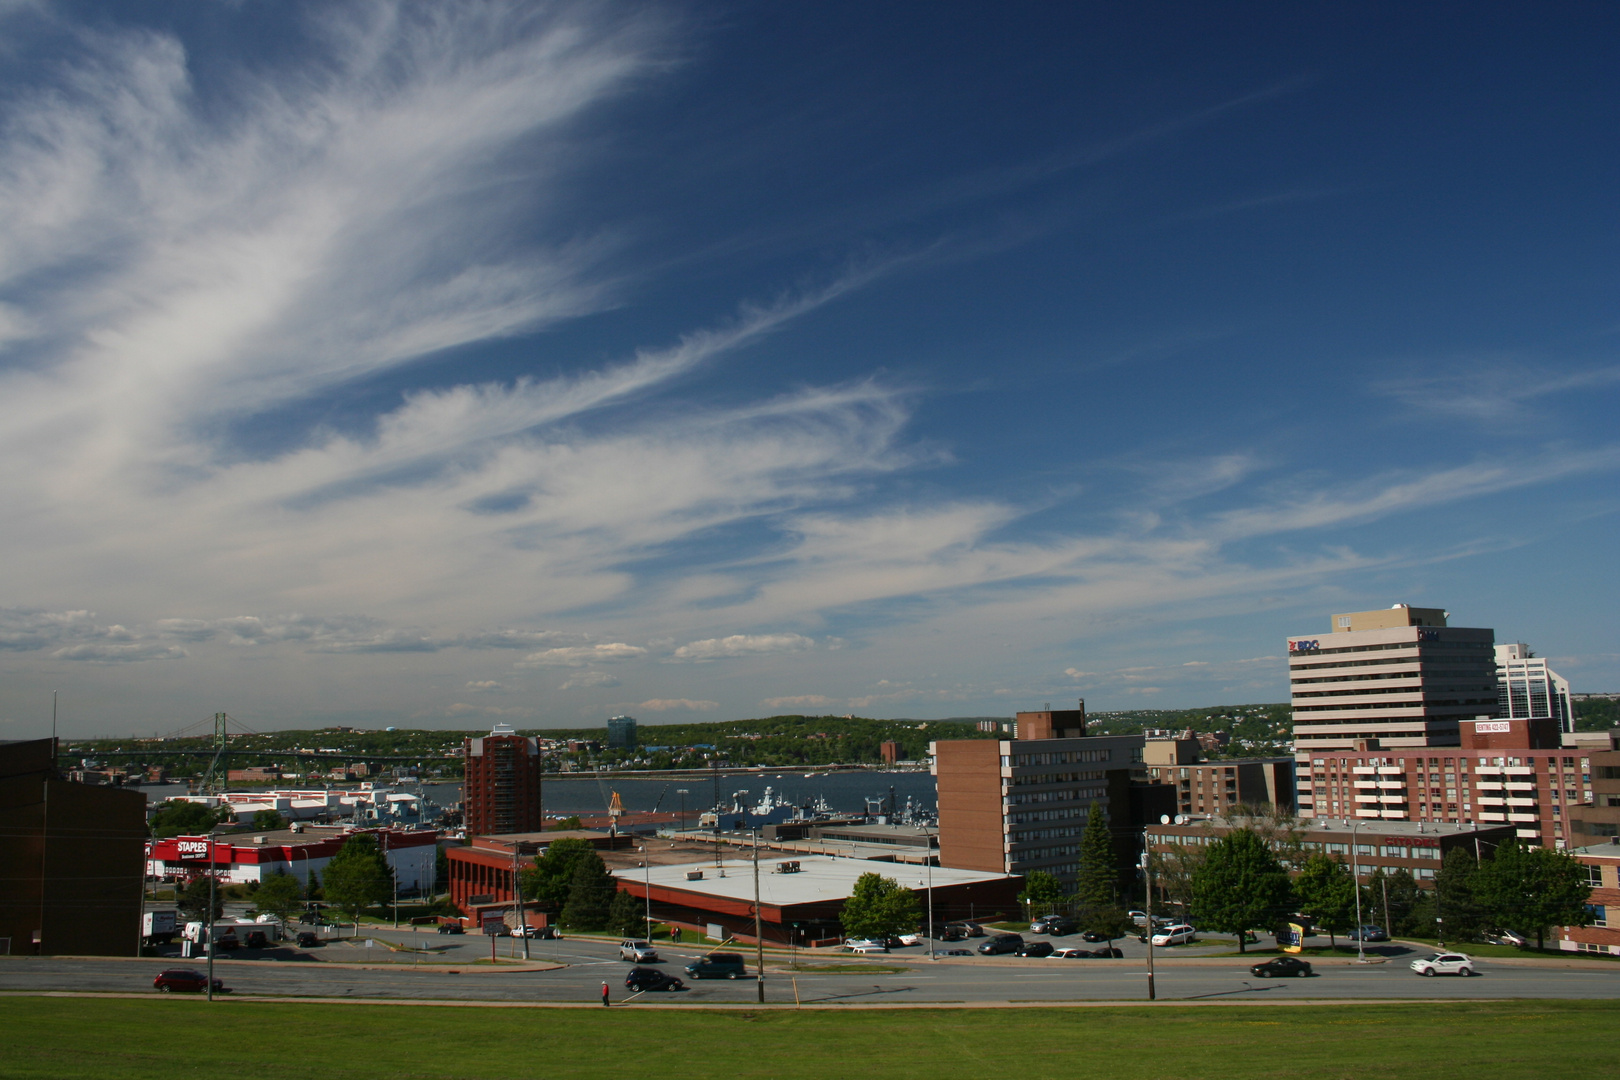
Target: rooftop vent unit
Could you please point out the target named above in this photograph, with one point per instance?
(694, 875)
(788, 867)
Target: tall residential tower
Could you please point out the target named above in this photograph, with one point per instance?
(501, 792)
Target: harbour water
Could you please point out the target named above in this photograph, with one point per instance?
(845, 792)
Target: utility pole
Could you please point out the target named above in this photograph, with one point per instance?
(1355, 882)
(759, 936)
(213, 884)
(715, 774)
(517, 895)
(1147, 876)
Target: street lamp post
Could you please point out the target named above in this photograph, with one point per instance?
(931, 898)
(1147, 877)
(682, 793)
(759, 936)
(213, 884)
(1355, 882)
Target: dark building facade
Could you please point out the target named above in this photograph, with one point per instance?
(501, 793)
(71, 856)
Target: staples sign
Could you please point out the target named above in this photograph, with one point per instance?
(1308, 645)
(193, 849)
(1483, 726)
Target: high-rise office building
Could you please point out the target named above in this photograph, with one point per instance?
(1527, 689)
(622, 732)
(1398, 675)
(501, 792)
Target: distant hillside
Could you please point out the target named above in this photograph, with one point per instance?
(1255, 730)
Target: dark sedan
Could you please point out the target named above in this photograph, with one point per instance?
(186, 981)
(1035, 948)
(1108, 952)
(651, 979)
(451, 928)
(1282, 965)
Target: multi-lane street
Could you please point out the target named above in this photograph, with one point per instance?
(573, 970)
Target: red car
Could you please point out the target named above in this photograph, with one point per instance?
(186, 980)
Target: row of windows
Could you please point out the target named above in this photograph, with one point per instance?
(1055, 833)
(1056, 851)
(1024, 816)
(1431, 703)
(1057, 778)
(1061, 795)
(1057, 757)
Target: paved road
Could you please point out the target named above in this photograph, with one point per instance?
(589, 963)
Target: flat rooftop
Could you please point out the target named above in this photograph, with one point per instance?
(820, 878)
(1366, 826)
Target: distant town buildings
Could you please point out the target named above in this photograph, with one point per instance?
(501, 789)
(239, 858)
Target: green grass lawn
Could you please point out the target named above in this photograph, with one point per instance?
(170, 1038)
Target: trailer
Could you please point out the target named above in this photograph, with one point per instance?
(159, 927)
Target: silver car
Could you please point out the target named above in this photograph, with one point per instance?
(1444, 964)
(637, 951)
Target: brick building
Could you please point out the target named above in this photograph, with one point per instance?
(1012, 806)
(1505, 772)
(1598, 818)
(1601, 863)
(501, 791)
(1215, 787)
(70, 855)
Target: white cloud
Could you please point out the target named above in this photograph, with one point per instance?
(580, 655)
(738, 645)
(671, 705)
(587, 679)
(485, 686)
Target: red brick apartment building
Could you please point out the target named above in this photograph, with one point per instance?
(1601, 863)
(501, 792)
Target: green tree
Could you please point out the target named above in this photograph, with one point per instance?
(1173, 874)
(193, 900)
(549, 880)
(1327, 894)
(312, 888)
(1109, 921)
(182, 817)
(1098, 869)
(269, 820)
(1396, 896)
(627, 915)
(878, 907)
(1042, 890)
(1530, 889)
(358, 877)
(1454, 899)
(590, 895)
(567, 823)
(279, 895)
(1241, 885)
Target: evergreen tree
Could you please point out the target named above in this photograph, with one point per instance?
(1395, 896)
(1098, 870)
(1327, 894)
(182, 817)
(1529, 890)
(878, 907)
(193, 900)
(590, 895)
(358, 876)
(627, 915)
(1240, 886)
(1454, 900)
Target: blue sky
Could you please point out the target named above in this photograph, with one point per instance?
(444, 364)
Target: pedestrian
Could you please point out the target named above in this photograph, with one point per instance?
(675, 934)
(604, 994)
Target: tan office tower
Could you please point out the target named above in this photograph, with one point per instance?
(1400, 676)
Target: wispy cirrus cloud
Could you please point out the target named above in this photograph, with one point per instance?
(739, 645)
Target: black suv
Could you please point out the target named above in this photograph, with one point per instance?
(1056, 925)
(1002, 943)
(1035, 948)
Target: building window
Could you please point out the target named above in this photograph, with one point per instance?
(1599, 914)
(1594, 875)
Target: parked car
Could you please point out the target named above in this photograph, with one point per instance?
(637, 951)
(309, 940)
(911, 939)
(866, 945)
(1138, 917)
(1508, 937)
(1108, 952)
(952, 933)
(1179, 934)
(651, 979)
(1035, 948)
(718, 965)
(1002, 943)
(185, 980)
(1444, 964)
(1369, 933)
(256, 939)
(957, 952)
(971, 929)
(1282, 965)
(1069, 952)
(1053, 924)
(451, 928)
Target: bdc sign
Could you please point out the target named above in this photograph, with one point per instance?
(1308, 645)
